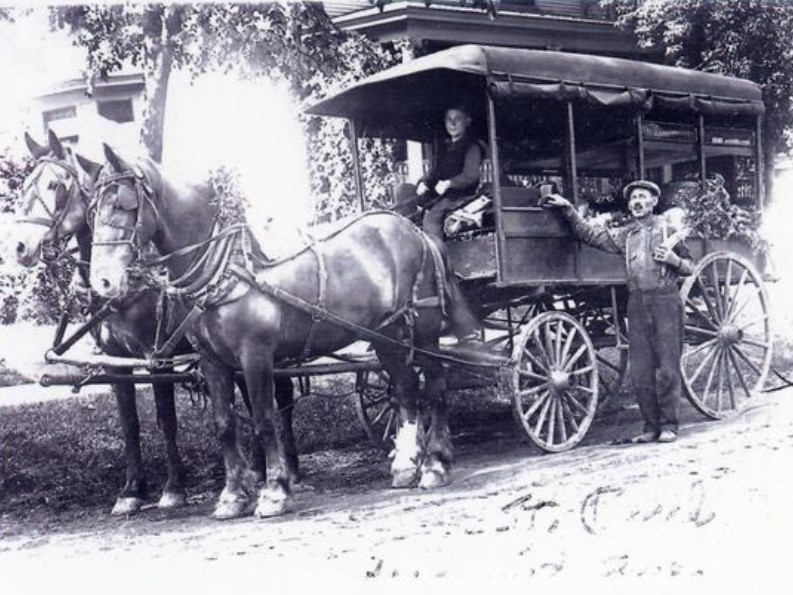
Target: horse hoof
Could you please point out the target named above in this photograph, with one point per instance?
(404, 479)
(434, 478)
(229, 510)
(127, 506)
(170, 500)
(270, 505)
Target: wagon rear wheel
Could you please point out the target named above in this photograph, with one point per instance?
(376, 409)
(727, 351)
(554, 381)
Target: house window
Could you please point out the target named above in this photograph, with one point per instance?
(117, 110)
(61, 113)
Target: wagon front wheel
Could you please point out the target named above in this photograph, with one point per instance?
(554, 381)
(727, 350)
(377, 410)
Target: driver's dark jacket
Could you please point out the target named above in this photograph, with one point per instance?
(636, 242)
(459, 163)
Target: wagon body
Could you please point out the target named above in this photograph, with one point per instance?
(589, 125)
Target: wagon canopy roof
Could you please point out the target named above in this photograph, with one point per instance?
(425, 86)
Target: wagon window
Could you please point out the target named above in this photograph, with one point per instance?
(730, 152)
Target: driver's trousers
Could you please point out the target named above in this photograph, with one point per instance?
(655, 335)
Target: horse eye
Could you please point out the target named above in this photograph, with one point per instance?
(52, 185)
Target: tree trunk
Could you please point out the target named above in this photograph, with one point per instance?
(158, 65)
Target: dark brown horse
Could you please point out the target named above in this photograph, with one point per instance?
(54, 207)
(377, 273)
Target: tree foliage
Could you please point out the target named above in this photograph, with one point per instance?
(294, 42)
(744, 38)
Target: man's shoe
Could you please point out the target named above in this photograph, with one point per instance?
(644, 438)
(667, 436)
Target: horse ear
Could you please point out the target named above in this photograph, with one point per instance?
(35, 149)
(116, 162)
(56, 146)
(92, 168)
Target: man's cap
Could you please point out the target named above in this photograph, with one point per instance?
(646, 184)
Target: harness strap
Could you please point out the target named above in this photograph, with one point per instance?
(300, 304)
(169, 345)
(322, 282)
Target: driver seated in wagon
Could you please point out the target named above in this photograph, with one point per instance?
(453, 177)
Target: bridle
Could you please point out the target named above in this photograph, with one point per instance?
(50, 250)
(143, 194)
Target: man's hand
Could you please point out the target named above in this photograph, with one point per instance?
(557, 201)
(666, 255)
(421, 189)
(442, 186)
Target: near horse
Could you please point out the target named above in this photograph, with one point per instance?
(378, 277)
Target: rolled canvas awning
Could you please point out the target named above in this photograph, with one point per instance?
(416, 91)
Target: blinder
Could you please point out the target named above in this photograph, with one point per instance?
(126, 198)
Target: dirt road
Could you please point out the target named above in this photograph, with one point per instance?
(715, 506)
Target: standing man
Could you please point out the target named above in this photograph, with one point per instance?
(455, 174)
(655, 310)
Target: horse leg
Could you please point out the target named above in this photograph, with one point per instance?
(285, 399)
(234, 498)
(130, 500)
(257, 365)
(436, 468)
(173, 494)
(258, 463)
(407, 446)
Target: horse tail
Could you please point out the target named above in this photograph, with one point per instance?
(458, 313)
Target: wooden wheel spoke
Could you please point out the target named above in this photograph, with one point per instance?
(532, 375)
(558, 343)
(530, 356)
(552, 419)
(580, 407)
(544, 355)
(697, 312)
(699, 348)
(580, 371)
(543, 413)
(706, 390)
(754, 321)
(576, 356)
(741, 379)
(714, 280)
(568, 344)
(541, 400)
(701, 331)
(568, 413)
(749, 362)
(562, 419)
(734, 294)
(730, 388)
(720, 384)
(754, 343)
(702, 364)
(389, 425)
(725, 294)
(375, 401)
(706, 299)
(380, 414)
(527, 392)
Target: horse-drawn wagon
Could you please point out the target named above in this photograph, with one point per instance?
(587, 125)
(552, 309)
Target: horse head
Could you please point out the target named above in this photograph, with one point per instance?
(124, 218)
(53, 205)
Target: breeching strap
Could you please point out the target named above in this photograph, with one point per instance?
(323, 314)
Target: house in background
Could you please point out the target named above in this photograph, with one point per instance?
(564, 25)
(111, 113)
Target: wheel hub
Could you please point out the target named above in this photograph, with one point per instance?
(560, 380)
(730, 335)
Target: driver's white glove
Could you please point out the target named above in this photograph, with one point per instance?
(442, 186)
